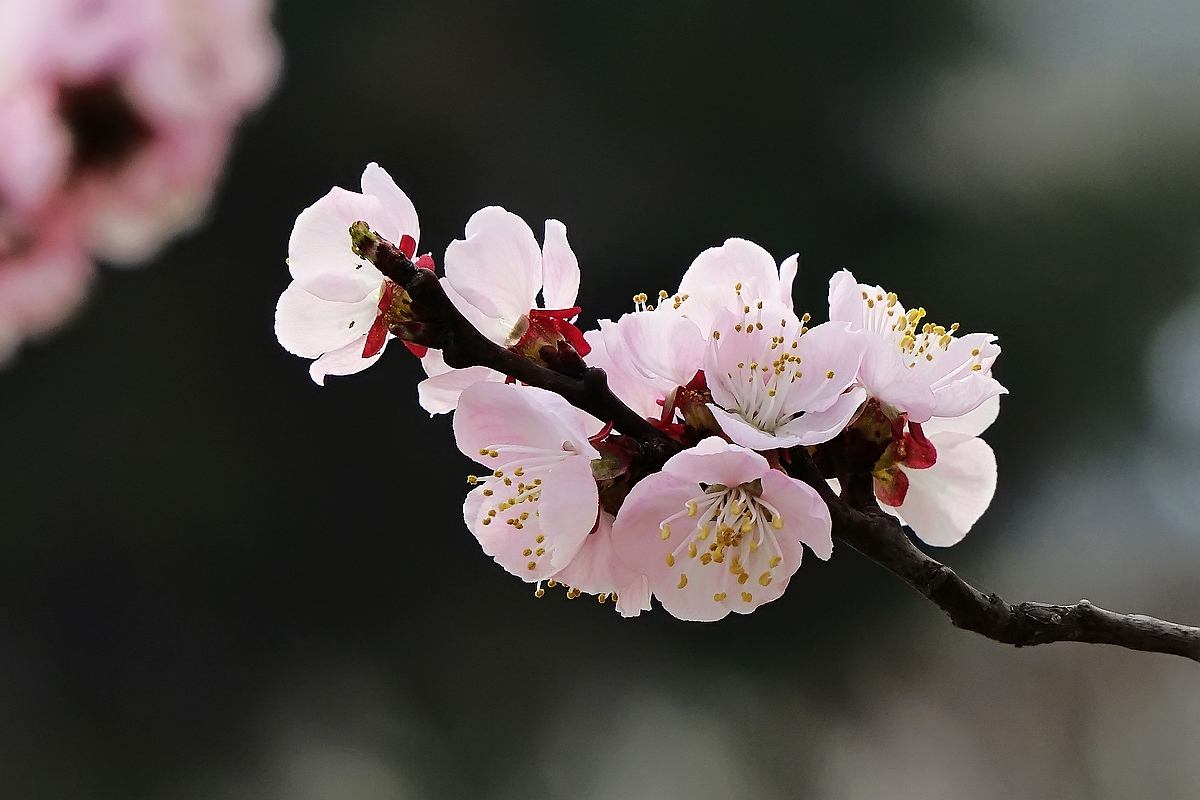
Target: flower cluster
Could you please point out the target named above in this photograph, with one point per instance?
(116, 116)
(740, 384)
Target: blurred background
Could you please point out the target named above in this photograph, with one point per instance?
(209, 582)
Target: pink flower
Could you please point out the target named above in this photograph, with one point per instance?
(116, 117)
(921, 371)
(774, 387)
(335, 310)
(664, 346)
(535, 509)
(149, 93)
(719, 530)
(494, 277)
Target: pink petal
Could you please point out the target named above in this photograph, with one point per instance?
(595, 569)
(492, 414)
(497, 330)
(830, 349)
(816, 427)
(320, 242)
(736, 261)
(346, 360)
(608, 353)
(884, 375)
(560, 268)
(944, 501)
(513, 548)
(965, 395)
(787, 276)
(338, 288)
(748, 436)
(440, 394)
(568, 507)
(805, 516)
(399, 216)
(665, 348)
(973, 423)
(309, 326)
(716, 461)
(498, 267)
(870, 313)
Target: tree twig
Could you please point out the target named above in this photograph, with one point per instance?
(440, 325)
(858, 522)
(857, 519)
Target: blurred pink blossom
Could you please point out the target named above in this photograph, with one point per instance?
(117, 117)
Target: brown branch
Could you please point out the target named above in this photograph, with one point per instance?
(857, 519)
(439, 325)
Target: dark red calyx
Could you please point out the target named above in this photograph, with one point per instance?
(891, 486)
(919, 452)
(550, 325)
(604, 432)
(407, 246)
(377, 336)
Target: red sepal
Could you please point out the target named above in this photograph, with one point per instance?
(599, 437)
(555, 321)
(891, 487)
(425, 262)
(919, 452)
(408, 246)
(418, 350)
(377, 336)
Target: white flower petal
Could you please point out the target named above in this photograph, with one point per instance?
(666, 349)
(716, 461)
(816, 427)
(397, 209)
(805, 516)
(745, 434)
(440, 393)
(346, 360)
(560, 268)
(736, 261)
(568, 508)
(973, 423)
(309, 326)
(944, 501)
(493, 414)
(609, 354)
(787, 276)
(320, 241)
(498, 267)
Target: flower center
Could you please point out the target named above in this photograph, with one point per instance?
(886, 316)
(723, 525)
(105, 127)
(762, 386)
